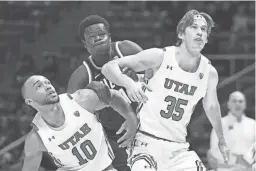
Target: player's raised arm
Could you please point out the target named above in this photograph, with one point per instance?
(212, 109)
(33, 152)
(96, 96)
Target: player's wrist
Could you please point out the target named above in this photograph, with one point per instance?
(222, 140)
(127, 82)
(221, 137)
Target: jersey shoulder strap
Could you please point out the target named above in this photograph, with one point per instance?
(117, 50)
(89, 70)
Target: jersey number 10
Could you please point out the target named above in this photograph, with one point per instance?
(88, 150)
(175, 105)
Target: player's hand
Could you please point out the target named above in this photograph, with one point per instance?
(224, 151)
(135, 92)
(130, 73)
(212, 160)
(130, 126)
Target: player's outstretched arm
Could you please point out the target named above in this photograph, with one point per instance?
(97, 96)
(150, 58)
(78, 80)
(212, 109)
(33, 152)
(147, 59)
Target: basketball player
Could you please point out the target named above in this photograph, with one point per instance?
(182, 76)
(95, 35)
(66, 127)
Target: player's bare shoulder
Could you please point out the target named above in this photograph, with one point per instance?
(213, 73)
(79, 78)
(156, 56)
(94, 96)
(80, 71)
(86, 99)
(128, 47)
(33, 143)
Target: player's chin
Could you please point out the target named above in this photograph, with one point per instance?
(102, 46)
(53, 100)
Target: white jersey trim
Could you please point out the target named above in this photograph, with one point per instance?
(88, 70)
(118, 50)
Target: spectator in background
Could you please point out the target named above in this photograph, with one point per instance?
(239, 134)
(25, 115)
(50, 69)
(24, 68)
(239, 26)
(240, 20)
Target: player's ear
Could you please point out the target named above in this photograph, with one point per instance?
(181, 35)
(28, 101)
(84, 43)
(206, 41)
(109, 35)
(228, 104)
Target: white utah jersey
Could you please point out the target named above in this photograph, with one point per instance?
(174, 96)
(80, 144)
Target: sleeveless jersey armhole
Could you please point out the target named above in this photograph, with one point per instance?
(88, 71)
(42, 146)
(120, 55)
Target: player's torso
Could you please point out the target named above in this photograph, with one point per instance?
(80, 144)
(109, 118)
(173, 98)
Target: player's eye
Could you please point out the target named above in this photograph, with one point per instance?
(102, 34)
(204, 29)
(92, 37)
(193, 26)
(38, 86)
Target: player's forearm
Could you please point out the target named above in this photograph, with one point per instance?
(213, 113)
(30, 165)
(123, 107)
(113, 73)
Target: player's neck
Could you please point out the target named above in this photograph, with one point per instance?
(185, 53)
(186, 60)
(238, 117)
(98, 57)
(53, 115)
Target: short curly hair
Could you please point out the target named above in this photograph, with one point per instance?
(91, 20)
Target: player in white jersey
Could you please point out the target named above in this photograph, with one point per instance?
(67, 128)
(182, 76)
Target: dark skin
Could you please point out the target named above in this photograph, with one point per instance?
(98, 43)
(97, 40)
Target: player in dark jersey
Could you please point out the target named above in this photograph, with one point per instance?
(95, 35)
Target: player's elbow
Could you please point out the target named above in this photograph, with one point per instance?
(105, 67)
(211, 106)
(108, 66)
(119, 104)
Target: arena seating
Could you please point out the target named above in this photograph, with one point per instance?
(149, 24)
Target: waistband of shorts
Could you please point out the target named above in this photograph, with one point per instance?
(159, 138)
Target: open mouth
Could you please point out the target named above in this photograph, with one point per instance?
(51, 93)
(198, 40)
(99, 44)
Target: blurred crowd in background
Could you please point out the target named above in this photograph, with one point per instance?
(28, 45)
